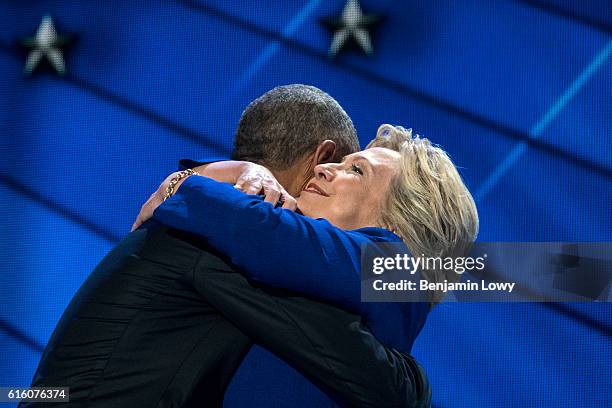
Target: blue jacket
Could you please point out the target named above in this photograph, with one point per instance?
(284, 249)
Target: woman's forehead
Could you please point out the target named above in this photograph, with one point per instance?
(376, 156)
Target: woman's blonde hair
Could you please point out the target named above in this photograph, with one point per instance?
(428, 205)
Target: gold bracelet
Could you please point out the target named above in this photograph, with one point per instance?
(174, 181)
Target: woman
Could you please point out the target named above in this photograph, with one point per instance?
(399, 189)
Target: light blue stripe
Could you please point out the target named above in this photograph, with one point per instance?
(501, 169)
(536, 131)
(254, 68)
(299, 18)
(274, 46)
(570, 92)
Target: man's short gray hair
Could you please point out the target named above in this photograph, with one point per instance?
(286, 123)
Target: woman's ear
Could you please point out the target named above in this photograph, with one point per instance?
(325, 153)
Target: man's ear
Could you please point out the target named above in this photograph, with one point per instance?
(325, 153)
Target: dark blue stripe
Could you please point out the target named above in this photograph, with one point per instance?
(59, 209)
(569, 14)
(132, 107)
(21, 336)
(593, 324)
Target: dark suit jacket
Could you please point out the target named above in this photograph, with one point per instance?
(142, 332)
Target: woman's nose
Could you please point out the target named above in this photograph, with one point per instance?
(324, 171)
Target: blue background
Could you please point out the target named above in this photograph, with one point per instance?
(518, 93)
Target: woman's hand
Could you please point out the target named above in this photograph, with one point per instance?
(248, 177)
(155, 200)
(256, 179)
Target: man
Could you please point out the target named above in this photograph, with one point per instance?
(152, 326)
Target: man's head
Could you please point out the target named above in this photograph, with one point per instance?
(292, 128)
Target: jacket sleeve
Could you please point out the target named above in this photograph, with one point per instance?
(270, 245)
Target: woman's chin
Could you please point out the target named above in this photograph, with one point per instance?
(310, 204)
(303, 205)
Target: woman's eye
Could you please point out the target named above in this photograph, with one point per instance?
(356, 169)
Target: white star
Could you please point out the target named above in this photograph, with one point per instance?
(46, 44)
(353, 23)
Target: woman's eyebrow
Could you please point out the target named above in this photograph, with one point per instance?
(361, 159)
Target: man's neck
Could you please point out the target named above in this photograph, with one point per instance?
(296, 177)
(289, 179)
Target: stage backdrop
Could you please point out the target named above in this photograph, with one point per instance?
(518, 93)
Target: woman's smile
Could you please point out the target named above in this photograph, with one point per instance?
(314, 188)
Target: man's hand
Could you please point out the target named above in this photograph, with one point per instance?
(248, 177)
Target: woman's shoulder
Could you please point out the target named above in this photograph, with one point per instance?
(378, 234)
